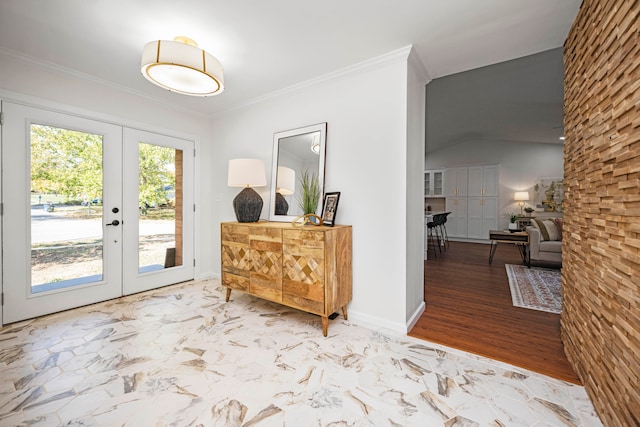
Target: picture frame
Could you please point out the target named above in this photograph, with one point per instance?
(548, 194)
(330, 208)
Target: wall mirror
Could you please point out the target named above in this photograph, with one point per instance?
(295, 152)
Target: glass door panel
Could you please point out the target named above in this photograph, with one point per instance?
(66, 208)
(158, 222)
(160, 207)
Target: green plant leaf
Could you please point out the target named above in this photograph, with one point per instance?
(308, 200)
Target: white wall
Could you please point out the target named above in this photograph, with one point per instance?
(520, 164)
(39, 85)
(417, 78)
(366, 113)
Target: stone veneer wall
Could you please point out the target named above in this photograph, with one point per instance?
(601, 251)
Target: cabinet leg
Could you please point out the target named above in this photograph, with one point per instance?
(344, 312)
(228, 294)
(325, 325)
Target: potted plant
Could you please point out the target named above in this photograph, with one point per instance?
(308, 200)
(512, 220)
(529, 210)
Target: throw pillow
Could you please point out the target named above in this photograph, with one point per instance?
(548, 229)
(558, 223)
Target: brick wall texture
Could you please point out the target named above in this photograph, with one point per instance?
(601, 239)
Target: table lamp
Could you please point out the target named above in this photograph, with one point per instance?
(285, 186)
(247, 173)
(521, 197)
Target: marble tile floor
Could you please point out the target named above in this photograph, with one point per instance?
(181, 356)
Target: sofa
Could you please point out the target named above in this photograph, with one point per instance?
(544, 245)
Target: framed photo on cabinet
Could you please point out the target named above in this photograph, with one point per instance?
(329, 208)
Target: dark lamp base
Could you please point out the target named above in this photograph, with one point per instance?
(247, 205)
(282, 207)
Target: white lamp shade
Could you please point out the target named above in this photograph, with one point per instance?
(521, 196)
(286, 181)
(181, 66)
(246, 173)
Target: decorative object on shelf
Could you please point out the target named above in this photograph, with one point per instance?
(521, 197)
(285, 186)
(296, 149)
(330, 208)
(311, 219)
(548, 194)
(181, 66)
(529, 210)
(247, 173)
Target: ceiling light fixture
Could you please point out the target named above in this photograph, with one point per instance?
(315, 143)
(181, 66)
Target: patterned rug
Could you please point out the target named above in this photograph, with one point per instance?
(535, 288)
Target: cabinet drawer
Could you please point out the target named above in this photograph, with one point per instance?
(266, 287)
(306, 242)
(235, 281)
(306, 296)
(234, 233)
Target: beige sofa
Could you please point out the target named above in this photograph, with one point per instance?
(543, 250)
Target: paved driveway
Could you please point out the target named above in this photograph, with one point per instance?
(54, 227)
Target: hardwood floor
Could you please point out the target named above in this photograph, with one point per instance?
(469, 307)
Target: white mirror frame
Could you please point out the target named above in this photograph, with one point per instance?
(277, 137)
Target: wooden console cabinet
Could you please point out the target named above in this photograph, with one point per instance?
(307, 268)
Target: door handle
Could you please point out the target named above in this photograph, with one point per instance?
(115, 223)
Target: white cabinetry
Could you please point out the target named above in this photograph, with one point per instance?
(433, 183)
(456, 181)
(483, 181)
(482, 216)
(457, 219)
(472, 199)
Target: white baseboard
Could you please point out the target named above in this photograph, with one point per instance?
(416, 316)
(207, 276)
(374, 322)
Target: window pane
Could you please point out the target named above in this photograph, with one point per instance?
(66, 208)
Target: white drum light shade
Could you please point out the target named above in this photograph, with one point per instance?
(181, 66)
(286, 181)
(246, 173)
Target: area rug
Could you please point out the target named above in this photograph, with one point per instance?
(535, 288)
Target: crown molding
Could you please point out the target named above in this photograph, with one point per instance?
(416, 63)
(93, 79)
(397, 55)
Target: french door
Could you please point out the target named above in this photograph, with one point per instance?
(92, 211)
